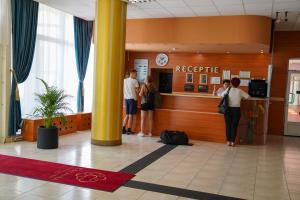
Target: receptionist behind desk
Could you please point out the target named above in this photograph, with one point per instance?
(226, 84)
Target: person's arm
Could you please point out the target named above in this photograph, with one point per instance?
(244, 95)
(142, 91)
(137, 86)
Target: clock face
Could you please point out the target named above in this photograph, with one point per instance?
(162, 59)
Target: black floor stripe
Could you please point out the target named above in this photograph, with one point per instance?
(147, 160)
(176, 191)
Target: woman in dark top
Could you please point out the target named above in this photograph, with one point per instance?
(147, 105)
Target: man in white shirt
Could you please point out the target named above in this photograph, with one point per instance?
(131, 89)
(226, 84)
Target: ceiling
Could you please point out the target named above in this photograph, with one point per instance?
(190, 8)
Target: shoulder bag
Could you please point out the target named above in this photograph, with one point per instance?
(223, 105)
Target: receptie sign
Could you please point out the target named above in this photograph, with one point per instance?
(195, 69)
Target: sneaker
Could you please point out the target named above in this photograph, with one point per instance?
(228, 143)
(124, 131)
(232, 144)
(129, 133)
(141, 134)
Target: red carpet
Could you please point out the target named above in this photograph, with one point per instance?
(60, 173)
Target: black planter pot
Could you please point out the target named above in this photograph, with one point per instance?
(47, 138)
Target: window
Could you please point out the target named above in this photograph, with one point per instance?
(54, 60)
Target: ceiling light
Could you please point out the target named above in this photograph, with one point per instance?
(138, 1)
(173, 49)
(228, 52)
(279, 18)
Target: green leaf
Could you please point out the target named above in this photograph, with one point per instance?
(51, 104)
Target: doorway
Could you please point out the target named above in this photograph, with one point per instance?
(163, 78)
(165, 82)
(292, 104)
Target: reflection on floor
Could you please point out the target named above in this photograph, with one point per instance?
(250, 172)
(294, 113)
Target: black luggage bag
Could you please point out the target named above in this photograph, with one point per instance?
(174, 137)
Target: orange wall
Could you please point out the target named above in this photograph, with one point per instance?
(233, 29)
(287, 45)
(213, 34)
(256, 63)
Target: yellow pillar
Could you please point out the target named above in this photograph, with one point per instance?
(108, 72)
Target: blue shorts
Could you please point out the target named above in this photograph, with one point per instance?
(131, 106)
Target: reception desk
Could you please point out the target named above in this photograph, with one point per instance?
(197, 115)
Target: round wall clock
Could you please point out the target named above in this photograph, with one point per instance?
(162, 59)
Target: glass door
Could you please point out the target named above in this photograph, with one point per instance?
(292, 106)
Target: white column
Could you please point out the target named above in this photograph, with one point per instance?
(5, 63)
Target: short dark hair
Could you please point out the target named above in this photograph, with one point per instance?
(133, 71)
(235, 82)
(226, 81)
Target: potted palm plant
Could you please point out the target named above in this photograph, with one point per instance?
(51, 104)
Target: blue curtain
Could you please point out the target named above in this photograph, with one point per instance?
(24, 26)
(83, 31)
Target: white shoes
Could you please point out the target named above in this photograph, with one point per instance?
(141, 134)
(230, 144)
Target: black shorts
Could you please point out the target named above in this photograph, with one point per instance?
(131, 106)
(147, 106)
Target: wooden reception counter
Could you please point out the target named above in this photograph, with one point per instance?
(197, 115)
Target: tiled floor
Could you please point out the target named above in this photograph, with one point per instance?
(267, 172)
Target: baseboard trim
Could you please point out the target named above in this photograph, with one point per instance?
(4, 140)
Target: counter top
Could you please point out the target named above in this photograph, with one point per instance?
(202, 95)
(183, 94)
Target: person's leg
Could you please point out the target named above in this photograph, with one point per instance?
(143, 120)
(150, 118)
(132, 114)
(130, 120)
(125, 120)
(236, 115)
(227, 117)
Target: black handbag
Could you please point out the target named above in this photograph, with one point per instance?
(223, 105)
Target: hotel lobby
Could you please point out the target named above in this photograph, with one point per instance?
(62, 69)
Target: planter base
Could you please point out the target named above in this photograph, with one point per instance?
(47, 138)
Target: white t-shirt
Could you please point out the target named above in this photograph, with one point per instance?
(235, 96)
(130, 86)
(220, 91)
